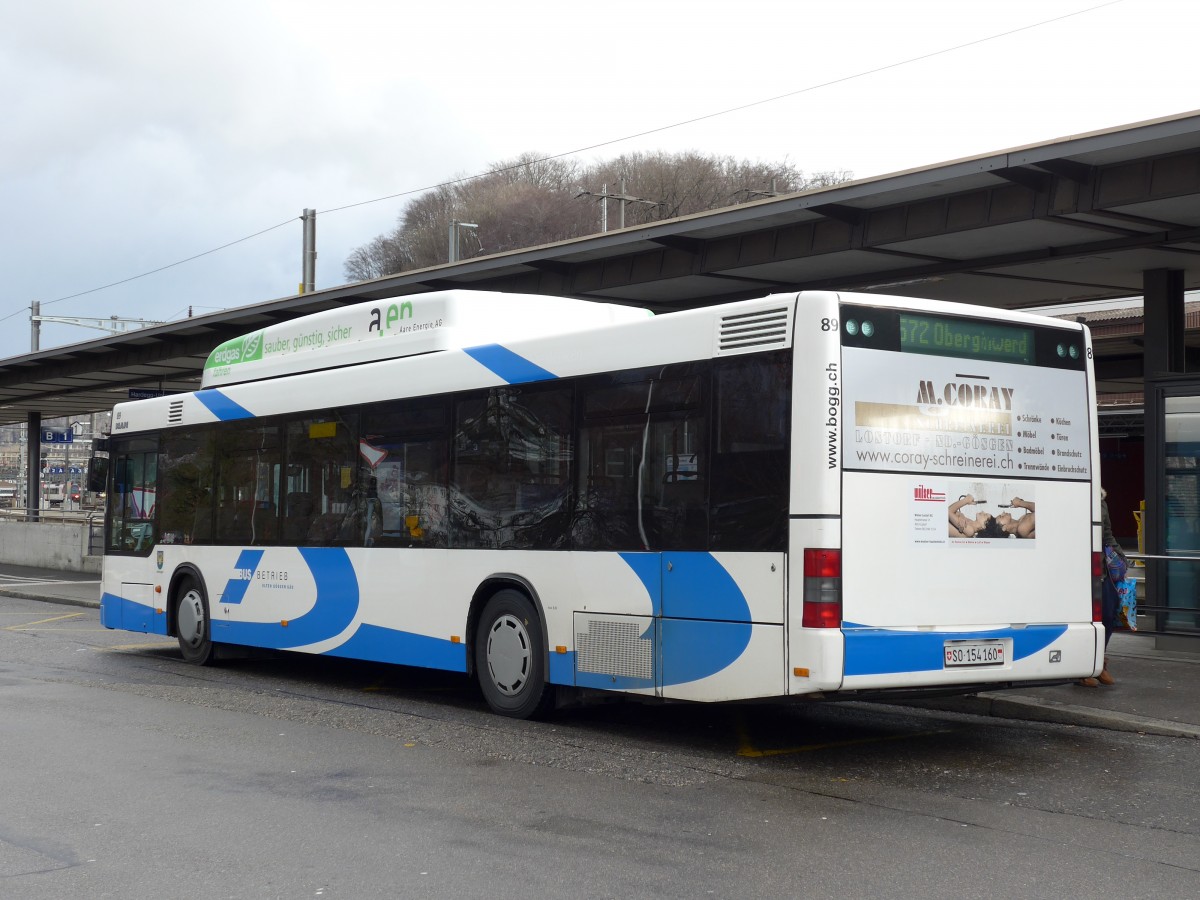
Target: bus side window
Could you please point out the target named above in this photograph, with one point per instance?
(318, 479)
(513, 452)
(750, 464)
(674, 483)
(186, 465)
(405, 448)
(606, 500)
(643, 476)
(247, 467)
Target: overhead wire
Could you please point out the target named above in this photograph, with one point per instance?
(466, 178)
(732, 109)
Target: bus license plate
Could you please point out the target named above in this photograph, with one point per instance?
(974, 653)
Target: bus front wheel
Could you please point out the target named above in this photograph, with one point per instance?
(191, 623)
(510, 657)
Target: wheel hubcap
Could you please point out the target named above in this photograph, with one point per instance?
(508, 655)
(191, 619)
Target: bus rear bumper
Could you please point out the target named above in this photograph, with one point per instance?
(881, 658)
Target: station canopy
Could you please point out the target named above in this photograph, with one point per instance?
(1076, 219)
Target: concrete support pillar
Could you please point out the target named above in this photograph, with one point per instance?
(1162, 355)
(33, 468)
(1162, 292)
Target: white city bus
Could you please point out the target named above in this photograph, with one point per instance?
(805, 495)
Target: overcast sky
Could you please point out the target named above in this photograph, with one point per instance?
(138, 134)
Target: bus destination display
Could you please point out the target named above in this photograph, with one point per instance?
(936, 336)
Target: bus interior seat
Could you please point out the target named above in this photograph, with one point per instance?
(324, 529)
(299, 516)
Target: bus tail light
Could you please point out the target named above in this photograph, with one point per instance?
(1098, 574)
(822, 588)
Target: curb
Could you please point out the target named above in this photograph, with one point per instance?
(65, 601)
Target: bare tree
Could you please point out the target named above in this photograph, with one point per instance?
(384, 255)
(532, 200)
(687, 183)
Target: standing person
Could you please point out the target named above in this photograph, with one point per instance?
(1114, 558)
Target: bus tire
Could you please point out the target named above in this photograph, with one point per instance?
(191, 623)
(510, 657)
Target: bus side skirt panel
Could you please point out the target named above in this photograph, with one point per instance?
(133, 610)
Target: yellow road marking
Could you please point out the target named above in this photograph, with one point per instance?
(42, 622)
(26, 583)
(748, 750)
(60, 630)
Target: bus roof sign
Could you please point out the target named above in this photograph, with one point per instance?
(366, 332)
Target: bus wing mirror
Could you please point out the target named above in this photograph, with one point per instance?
(98, 474)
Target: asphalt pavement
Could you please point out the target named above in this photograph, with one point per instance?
(1156, 691)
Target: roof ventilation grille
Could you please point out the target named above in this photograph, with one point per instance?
(175, 412)
(754, 330)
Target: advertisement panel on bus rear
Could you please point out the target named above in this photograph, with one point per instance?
(934, 415)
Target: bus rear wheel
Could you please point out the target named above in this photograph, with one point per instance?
(510, 657)
(191, 623)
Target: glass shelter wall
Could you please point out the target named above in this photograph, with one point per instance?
(1181, 515)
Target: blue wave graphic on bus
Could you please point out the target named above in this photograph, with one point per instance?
(388, 645)
(334, 609)
(696, 586)
(648, 568)
(244, 569)
(706, 618)
(701, 621)
(881, 651)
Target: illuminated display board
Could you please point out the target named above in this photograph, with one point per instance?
(965, 338)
